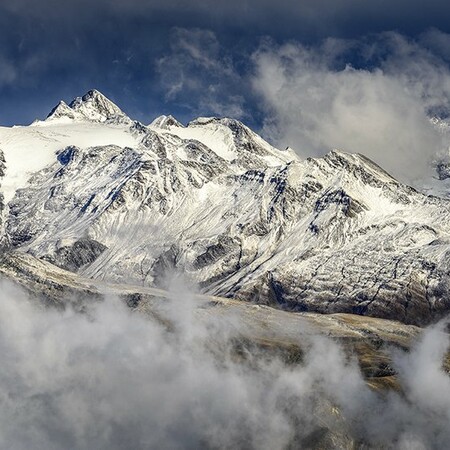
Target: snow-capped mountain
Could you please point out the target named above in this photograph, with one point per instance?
(93, 107)
(92, 191)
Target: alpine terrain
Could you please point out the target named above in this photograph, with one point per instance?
(96, 193)
(282, 252)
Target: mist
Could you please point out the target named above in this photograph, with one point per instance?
(113, 378)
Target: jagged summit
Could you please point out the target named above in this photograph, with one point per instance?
(95, 106)
(92, 106)
(62, 110)
(165, 122)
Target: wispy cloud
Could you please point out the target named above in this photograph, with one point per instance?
(199, 74)
(8, 72)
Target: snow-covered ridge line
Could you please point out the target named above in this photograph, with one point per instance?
(95, 192)
(92, 120)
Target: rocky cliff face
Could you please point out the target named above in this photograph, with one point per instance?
(119, 201)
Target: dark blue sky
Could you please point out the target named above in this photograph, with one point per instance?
(183, 57)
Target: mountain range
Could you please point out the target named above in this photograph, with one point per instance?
(93, 192)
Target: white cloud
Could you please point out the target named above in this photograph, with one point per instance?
(111, 378)
(315, 102)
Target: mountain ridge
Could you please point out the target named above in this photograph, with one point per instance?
(114, 200)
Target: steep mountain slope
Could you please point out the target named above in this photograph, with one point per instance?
(94, 192)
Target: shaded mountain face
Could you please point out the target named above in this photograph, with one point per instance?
(94, 192)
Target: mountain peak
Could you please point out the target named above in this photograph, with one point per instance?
(165, 122)
(244, 219)
(62, 109)
(92, 106)
(96, 107)
(91, 95)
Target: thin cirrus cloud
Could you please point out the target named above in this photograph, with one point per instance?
(199, 75)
